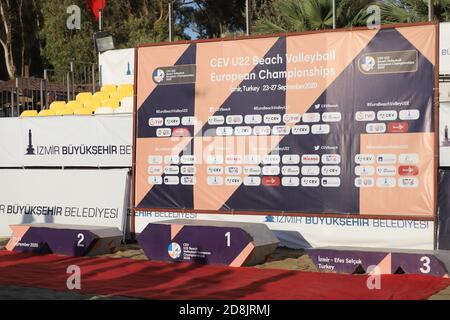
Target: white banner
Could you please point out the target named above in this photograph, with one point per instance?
(117, 67)
(75, 141)
(444, 92)
(444, 34)
(78, 197)
(322, 231)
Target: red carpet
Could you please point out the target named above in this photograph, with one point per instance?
(157, 280)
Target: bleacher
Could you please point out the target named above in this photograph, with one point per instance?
(110, 99)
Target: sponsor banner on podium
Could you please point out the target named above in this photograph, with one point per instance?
(332, 122)
(322, 231)
(97, 141)
(76, 197)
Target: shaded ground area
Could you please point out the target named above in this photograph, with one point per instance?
(282, 258)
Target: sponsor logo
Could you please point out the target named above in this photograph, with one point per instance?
(376, 128)
(408, 170)
(290, 182)
(365, 116)
(364, 158)
(387, 171)
(155, 122)
(291, 159)
(398, 127)
(252, 181)
(332, 117)
(216, 120)
(408, 182)
(271, 181)
(412, 114)
(310, 182)
(387, 158)
(174, 250)
(291, 170)
(243, 131)
(237, 119)
(364, 182)
(311, 117)
(310, 170)
(364, 171)
(331, 182)
(30, 148)
(409, 158)
(367, 63)
(331, 159)
(158, 75)
(300, 130)
(320, 129)
(172, 121)
(310, 159)
(387, 115)
(181, 132)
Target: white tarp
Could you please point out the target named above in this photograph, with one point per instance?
(79, 197)
(444, 34)
(444, 134)
(117, 67)
(323, 231)
(73, 141)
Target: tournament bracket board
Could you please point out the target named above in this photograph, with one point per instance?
(327, 122)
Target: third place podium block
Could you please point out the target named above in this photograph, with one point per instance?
(208, 242)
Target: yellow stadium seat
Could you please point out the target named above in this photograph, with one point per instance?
(114, 95)
(92, 104)
(57, 105)
(74, 105)
(29, 113)
(113, 103)
(47, 113)
(64, 112)
(100, 96)
(109, 88)
(125, 90)
(84, 96)
(83, 112)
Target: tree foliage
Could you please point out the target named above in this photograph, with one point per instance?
(33, 33)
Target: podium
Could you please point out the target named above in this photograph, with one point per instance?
(349, 260)
(69, 240)
(208, 242)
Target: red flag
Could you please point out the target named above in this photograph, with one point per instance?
(95, 6)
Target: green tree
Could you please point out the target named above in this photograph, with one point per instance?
(403, 11)
(61, 45)
(142, 21)
(19, 39)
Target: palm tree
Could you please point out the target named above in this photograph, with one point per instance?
(278, 16)
(401, 11)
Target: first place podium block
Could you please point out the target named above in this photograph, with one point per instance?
(208, 242)
(69, 240)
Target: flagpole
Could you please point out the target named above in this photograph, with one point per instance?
(334, 14)
(430, 10)
(170, 22)
(247, 17)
